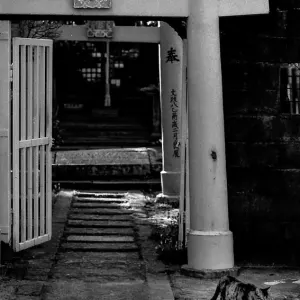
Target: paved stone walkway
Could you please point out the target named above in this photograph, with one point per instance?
(98, 251)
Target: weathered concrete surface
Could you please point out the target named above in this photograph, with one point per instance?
(80, 290)
(103, 157)
(99, 231)
(100, 217)
(103, 224)
(85, 274)
(282, 281)
(104, 200)
(96, 205)
(101, 211)
(112, 239)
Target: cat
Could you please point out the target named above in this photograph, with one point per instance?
(231, 288)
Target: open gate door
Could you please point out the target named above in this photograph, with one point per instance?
(31, 142)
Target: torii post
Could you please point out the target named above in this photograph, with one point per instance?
(210, 242)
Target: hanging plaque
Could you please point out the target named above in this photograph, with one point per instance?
(92, 3)
(100, 29)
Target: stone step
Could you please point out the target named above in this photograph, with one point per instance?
(100, 239)
(96, 172)
(100, 247)
(100, 217)
(100, 200)
(100, 258)
(99, 231)
(95, 132)
(92, 195)
(135, 184)
(100, 224)
(95, 204)
(100, 211)
(107, 126)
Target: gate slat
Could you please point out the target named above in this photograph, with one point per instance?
(29, 136)
(22, 152)
(15, 150)
(42, 134)
(49, 55)
(36, 149)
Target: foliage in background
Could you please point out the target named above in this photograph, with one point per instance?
(56, 134)
(43, 29)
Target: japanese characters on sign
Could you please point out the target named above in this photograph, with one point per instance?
(100, 29)
(175, 129)
(172, 56)
(92, 3)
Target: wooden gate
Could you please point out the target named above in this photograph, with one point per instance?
(31, 142)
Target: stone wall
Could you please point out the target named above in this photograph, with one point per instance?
(262, 143)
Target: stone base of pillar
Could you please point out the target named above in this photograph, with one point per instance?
(210, 254)
(170, 182)
(209, 274)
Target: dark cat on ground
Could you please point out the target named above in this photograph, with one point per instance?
(231, 288)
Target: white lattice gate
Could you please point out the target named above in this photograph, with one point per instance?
(31, 142)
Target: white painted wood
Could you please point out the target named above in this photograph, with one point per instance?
(5, 96)
(131, 34)
(49, 92)
(15, 141)
(34, 242)
(243, 7)
(171, 67)
(32, 142)
(161, 8)
(29, 137)
(42, 96)
(36, 122)
(22, 152)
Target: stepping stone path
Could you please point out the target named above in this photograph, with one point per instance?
(99, 248)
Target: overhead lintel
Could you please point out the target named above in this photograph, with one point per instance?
(243, 7)
(135, 8)
(120, 34)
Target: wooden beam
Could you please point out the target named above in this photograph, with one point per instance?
(158, 8)
(5, 192)
(243, 7)
(121, 34)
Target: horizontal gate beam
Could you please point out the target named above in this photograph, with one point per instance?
(158, 8)
(243, 7)
(120, 34)
(34, 142)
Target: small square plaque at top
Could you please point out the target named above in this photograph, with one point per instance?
(92, 3)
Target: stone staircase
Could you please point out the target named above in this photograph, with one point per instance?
(100, 223)
(100, 241)
(80, 132)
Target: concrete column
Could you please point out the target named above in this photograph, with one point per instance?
(5, 204)
(171, 62)
(210, 243)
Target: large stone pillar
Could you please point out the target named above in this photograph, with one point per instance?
(171, 62)
(210, 243)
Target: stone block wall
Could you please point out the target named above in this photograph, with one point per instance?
(262, 142)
